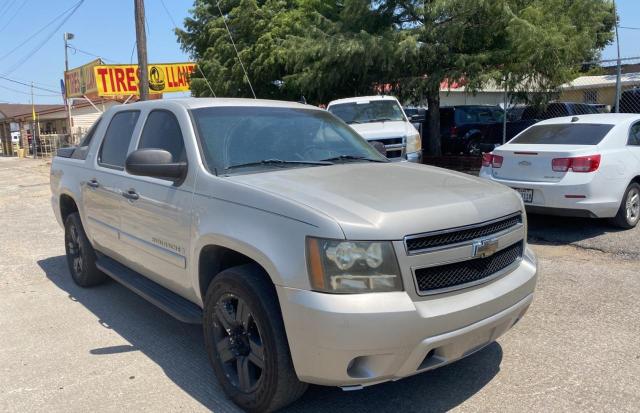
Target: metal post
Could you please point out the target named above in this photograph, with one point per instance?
(619, 68)
(504, 117)
(33, 125)
(67, 37)
(141, 42)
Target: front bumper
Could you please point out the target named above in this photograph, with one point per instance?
(359, 340)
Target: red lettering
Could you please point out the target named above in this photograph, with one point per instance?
(103, 73)
(131, 80)
(168, 76)
(120, 86)
(111, 87)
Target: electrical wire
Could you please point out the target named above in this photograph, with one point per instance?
(236, 49)
(7, 6)
(27, 84)
(40, 30)
(75, 49)
(629, 28)
(28, 93)
(13, 16)
(47, 39)
(175, 26)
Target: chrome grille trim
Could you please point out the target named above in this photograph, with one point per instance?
(518, 225)
(519, 248)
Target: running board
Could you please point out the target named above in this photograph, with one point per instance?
(177, 306)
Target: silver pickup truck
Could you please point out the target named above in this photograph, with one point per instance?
(306, 255)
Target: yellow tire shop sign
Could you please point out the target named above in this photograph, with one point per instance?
(118, 80)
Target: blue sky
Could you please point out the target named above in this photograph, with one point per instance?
(105, 28)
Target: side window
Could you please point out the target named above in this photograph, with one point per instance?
(162, 131)
(83, 148)
(634, 135)
(117, 139)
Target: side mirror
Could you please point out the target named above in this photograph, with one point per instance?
(156, 163)
(379, 146)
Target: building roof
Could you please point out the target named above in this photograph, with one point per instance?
(592, 82)
(14, 110)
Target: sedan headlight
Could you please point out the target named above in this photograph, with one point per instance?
(338, 266)
(414, 143)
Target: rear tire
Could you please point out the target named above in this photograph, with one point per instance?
(629, 213)
(246, 341)
(81, 257)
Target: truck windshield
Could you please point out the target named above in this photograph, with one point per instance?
(255, 139)
(368, 112)
(564, 134)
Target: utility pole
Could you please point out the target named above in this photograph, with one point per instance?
(67, 37)
(618, 68)
(141, 42)
(33, 125)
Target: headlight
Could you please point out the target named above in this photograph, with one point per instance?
(414, 143)
(338, 266)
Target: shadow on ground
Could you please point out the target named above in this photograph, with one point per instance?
(179, 350)
(566, 230)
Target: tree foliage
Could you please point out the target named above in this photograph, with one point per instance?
(325, 49)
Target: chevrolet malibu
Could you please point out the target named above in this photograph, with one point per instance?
(306, 255)
(586, 166)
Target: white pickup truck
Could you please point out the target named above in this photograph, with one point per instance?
(381, 119)
(307, 256)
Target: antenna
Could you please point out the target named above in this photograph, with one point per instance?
(236, 49)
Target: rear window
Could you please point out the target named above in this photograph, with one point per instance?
(478, 115)
(564, 134)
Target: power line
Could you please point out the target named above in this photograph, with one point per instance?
(39, 46)
(15, 13)
(629, 28)
(28, 93)
(7, 6)
(40, 30)
(175, 27)
(28, 84)
(224, 20)
(89, 53)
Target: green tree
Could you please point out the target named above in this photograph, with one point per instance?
(325, 49)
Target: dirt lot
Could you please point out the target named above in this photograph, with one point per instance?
(63, 348)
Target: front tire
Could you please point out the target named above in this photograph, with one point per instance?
(246, 341)
(81, 257)
(629, 213)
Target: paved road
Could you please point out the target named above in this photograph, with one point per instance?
(65, 349)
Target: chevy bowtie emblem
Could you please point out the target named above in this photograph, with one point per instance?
(524, 163)
(485, 248)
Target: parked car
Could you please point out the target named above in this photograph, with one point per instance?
(381, 119)
(307, 256)
(586, 166)
(417, 117)
(474, 129)
(630, 101)
(558, 110)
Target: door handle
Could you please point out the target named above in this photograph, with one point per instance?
(93, 183)
(131, 194)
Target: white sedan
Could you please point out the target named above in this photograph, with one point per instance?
(587, 165)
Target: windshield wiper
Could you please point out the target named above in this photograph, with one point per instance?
(353, 158)
(276, 162)
(353, 121)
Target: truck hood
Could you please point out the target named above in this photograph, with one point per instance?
(381, 130)
(388, 201)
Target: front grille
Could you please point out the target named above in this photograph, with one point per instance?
(458, 274)
(457, 235)
(391, 141)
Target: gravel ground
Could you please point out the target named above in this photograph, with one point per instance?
(104, 349)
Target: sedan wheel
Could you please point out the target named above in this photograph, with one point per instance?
(633, 206)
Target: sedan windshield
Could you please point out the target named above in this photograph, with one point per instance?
(368, 112)
(255, 139)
